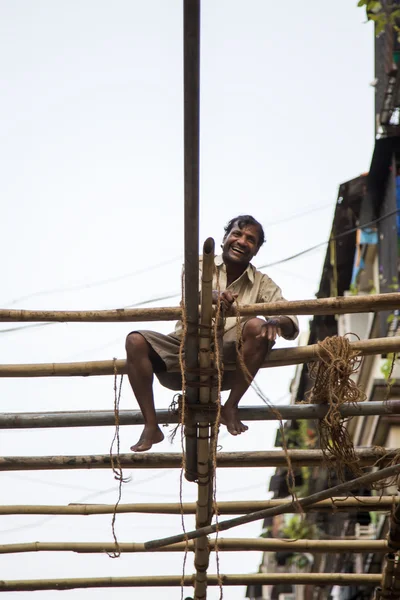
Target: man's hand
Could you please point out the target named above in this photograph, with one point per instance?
(226, 298)
(270, 329)
(277, 326)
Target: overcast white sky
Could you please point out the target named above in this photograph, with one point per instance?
(92, 189)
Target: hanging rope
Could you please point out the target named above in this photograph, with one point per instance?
(334, 386)
(116, 461)
(290, 478)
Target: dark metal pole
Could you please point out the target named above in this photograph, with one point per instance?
(191, 58)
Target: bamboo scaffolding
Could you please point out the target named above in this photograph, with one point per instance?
(224, 544)
(343, 579)
(101, 418)
(276, 358)
(320, 306)
(191, 142)
(172, 460)
(337, 504)
(205, 474)
(296, 506)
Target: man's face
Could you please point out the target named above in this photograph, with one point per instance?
(240, 245)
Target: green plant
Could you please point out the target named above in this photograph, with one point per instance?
(374, 517)
(267, 532)
(381, 15)
(353, 289)
(386, 368)
(299, 529)
(299, 560)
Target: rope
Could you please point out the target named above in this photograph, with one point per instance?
(334, 386)
(116, 463)
(290, 478)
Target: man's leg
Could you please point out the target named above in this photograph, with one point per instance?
(254, 351)
(141, 374)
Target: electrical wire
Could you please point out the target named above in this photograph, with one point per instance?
(267, 265)
(101, 282)
(98, 283)
(333, 238)
(299, 215)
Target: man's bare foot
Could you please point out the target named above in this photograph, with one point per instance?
(230, 418)
(150, 436)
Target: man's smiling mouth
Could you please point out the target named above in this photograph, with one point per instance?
(237, 250)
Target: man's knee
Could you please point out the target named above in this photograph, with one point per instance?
(252, 336)
(252, 328)
(135, 344)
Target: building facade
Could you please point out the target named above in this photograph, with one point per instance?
(362, 258)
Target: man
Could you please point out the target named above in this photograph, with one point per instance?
(150, 352)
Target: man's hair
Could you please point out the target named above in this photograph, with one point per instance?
(242, 221)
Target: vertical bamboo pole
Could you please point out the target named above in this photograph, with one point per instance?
(204, 466)
(191, 68)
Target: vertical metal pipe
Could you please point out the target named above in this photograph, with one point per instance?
(191, 68)
(204, 464)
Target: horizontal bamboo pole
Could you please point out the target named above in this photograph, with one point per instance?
(320, 306)
(294, 505)
(276, 358)
(226, 544)
(172, 460)
(343, 579)
(340, 503)
(98, 418)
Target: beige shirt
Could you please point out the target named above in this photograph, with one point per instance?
(252, 287)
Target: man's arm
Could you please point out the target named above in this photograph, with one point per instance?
(282, 325)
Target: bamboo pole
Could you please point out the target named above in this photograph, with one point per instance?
(364, 480)
(343, 579)
(337, 504)
(172, 460)
(204, 466)
(320, 306)
(99, 418)
(224, 544)
(276, 358)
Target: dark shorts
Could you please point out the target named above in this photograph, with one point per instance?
(166, 347)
